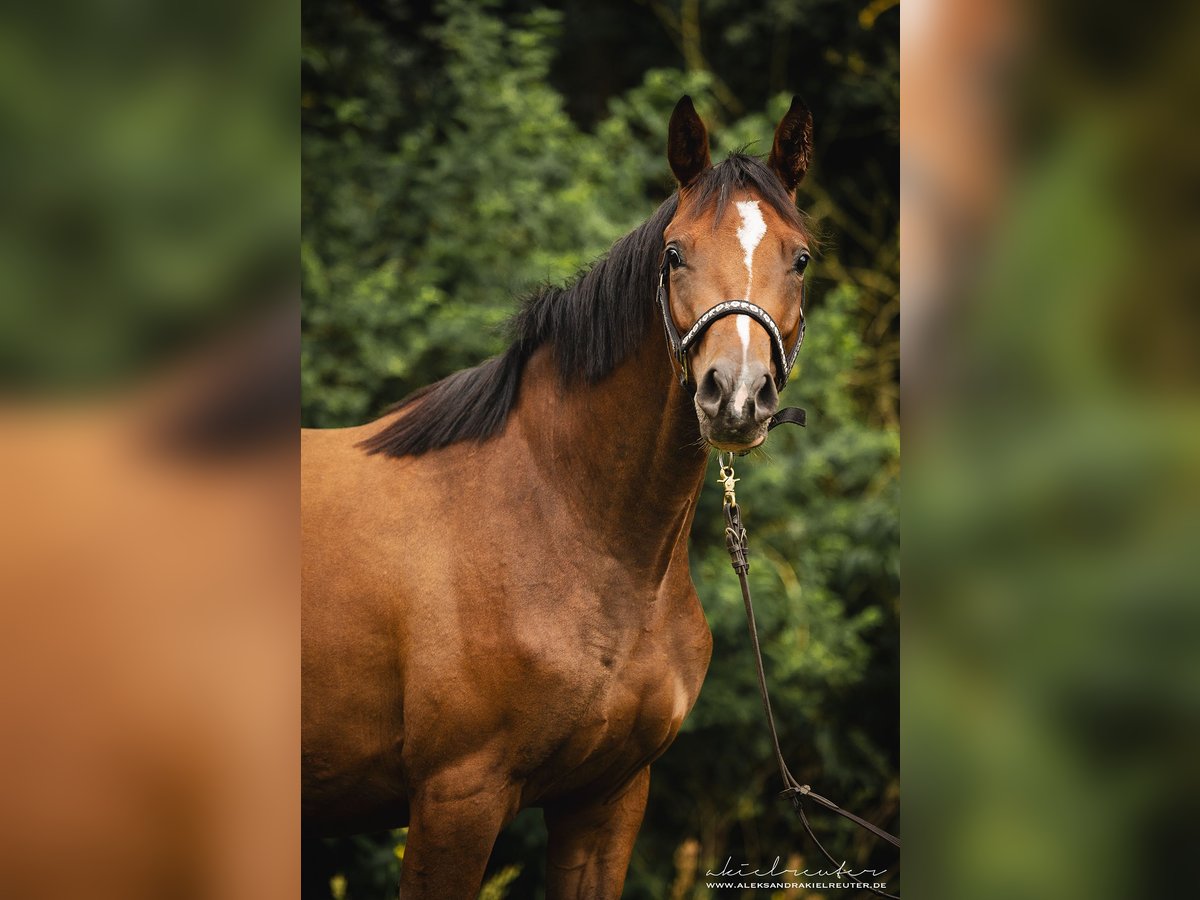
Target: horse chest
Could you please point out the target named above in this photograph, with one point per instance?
(638, 701)
(643, 710)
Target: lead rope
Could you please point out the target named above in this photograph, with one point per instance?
(736, 544)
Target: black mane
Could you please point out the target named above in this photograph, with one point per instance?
(593, 324)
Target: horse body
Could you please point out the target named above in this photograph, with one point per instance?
(516, 634)
(497, 607)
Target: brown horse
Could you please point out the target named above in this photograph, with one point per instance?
(498, 611)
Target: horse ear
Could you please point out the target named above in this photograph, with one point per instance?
(792, 151)
(687, 143)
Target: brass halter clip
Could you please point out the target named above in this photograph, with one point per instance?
(735, 534)
(726, 477)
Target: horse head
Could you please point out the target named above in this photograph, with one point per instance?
(732, 276)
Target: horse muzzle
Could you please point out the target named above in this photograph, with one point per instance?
(734, 404)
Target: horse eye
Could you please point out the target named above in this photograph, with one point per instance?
(802, 262)
(674, 260)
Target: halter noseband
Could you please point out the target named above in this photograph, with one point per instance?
(679, 346)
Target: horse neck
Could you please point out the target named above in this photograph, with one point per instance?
(624, 452)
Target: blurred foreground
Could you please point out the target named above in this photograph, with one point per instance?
(1051, 679)
(148, 641)
(148, 617)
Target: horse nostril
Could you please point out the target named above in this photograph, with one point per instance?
(710, 393)
(766, 401)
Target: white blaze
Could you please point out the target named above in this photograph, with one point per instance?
(743, 328)
(751, 232)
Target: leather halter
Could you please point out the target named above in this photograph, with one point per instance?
(679, 346)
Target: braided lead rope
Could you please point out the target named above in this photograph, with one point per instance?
(736, 542)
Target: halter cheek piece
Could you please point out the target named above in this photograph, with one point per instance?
(680, 346)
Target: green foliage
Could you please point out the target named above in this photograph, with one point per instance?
(496, 887)
(412, 259)
(442, 179)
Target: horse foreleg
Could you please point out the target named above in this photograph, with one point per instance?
(590, 845)
(452, 826)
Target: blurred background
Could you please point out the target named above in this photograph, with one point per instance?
(1051, 242)
(457, 154)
